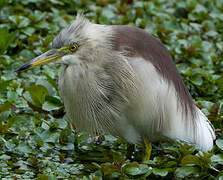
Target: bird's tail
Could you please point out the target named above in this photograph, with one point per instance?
(204, 132)
(199, 131)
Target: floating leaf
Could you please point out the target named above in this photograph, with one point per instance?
(5, 39)
(132, 171)
(190, 160)
(5, 107)
(23, 147)
(5, 157)
(217, 159)
(160, 172)
(197, 80)
(52, 103)
(219, 143)
(185, 171)
(38, 94)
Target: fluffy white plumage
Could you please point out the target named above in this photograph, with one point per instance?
(158, 98)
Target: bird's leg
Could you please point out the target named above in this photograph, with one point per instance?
(147, 149)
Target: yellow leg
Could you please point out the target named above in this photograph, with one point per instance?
(146, 150)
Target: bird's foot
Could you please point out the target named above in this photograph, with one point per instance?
(146, 150)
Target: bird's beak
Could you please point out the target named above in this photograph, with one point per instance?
(44, 58)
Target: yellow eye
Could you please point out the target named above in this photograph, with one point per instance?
(73, 47)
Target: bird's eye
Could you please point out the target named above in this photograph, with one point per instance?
(73, 47)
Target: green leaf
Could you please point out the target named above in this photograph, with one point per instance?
(46, 177)
(24, 148)
(160, 172)
(52, 103)
(38, 94)
(4, 84)
(5, 39)
(62, 123)
(20, 21)
(5, 157)
(28, 31)
(219, 143)
(51, 80)
(197, 80)
(190, 160)
(220, 176)
(217, 159)
(132, 171)
(2, 3)
(27, 54)
(65, 136)
(68, 147)
(48, 136)
(212, 33)
(108, 169)
(5, 107)
(185, 171)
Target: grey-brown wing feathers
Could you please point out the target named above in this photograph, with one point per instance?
(167, 107)
(141, 44)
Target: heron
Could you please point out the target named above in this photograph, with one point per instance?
(121, 80)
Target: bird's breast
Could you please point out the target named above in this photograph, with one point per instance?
(94, 102)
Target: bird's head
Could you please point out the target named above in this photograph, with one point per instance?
(81, 40)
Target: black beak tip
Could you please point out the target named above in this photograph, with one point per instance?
(23, 67)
